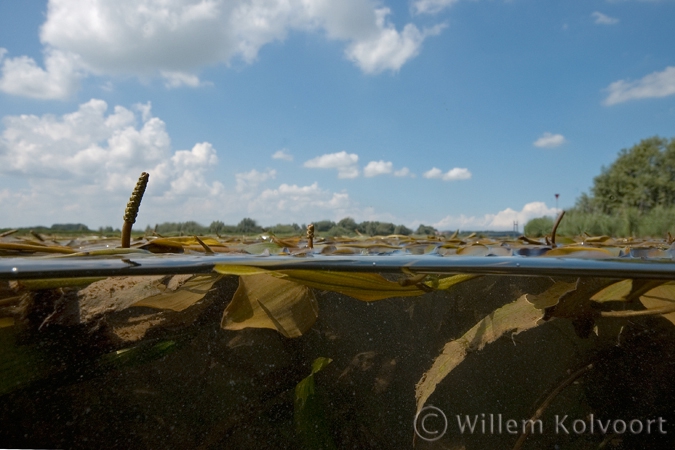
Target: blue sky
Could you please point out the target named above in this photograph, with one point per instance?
(465, 114)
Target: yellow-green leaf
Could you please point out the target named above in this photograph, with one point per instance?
(362, 286)
(181, 292)
(265, 301)
(515, 317)
(660, 297)
(551, 296)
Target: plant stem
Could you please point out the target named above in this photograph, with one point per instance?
(555, 227)
(132, 208)
(548, 400)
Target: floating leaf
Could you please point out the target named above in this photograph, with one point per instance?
(266, 301)
(35, 248)
(257, 249)
(515, 317)
(473, 250)
(582, 252)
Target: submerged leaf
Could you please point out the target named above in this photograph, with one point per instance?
(181, 292)
(625, 290)
(310, 419)
(515, 317)
(659, 297)
(551, 296)
(362, 286)
(265, 301)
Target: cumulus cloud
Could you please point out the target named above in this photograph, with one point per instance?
(90, 159)
(654, 85)
(345, 163)
(282, 154)
(454, 174)
(549, 140)
(301, 198)
(404, 172)
(250, 180)
(374, 168)
(503, 220)
(178, 79)
(175, 39)
(22, 76)
(389, 49)
(432, 6)
(602, 19)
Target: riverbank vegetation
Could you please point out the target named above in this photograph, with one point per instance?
(635, 196)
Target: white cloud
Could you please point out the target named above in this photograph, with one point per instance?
(344, 162)
(374, 168)
(282, 154)
(602, 19)
(300, 198)
(454, 174)
(22, 76)
(389, 49)
(178, 79)
(250, 180)
(404, 172)
(432, 6)
(549, 140)
(82, 166)
(503, 220)
(176, 39)
(654, 85)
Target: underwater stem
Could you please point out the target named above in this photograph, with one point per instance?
(642, 312)
(547, 402)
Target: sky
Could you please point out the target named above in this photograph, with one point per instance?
(461, 114)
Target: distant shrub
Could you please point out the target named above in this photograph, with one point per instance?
(539, 227)
(425, 230)
(402, 229)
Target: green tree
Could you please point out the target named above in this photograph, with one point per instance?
(641, 178)
(248, 226)
(348, 223)
(425, 229)
(402, 229)
(538, 227)
(323, 225)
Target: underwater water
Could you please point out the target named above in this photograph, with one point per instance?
(357, 352)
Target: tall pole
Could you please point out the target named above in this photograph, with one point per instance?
(556, 203)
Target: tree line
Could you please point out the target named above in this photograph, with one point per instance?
(634, 196)
(344, 227)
